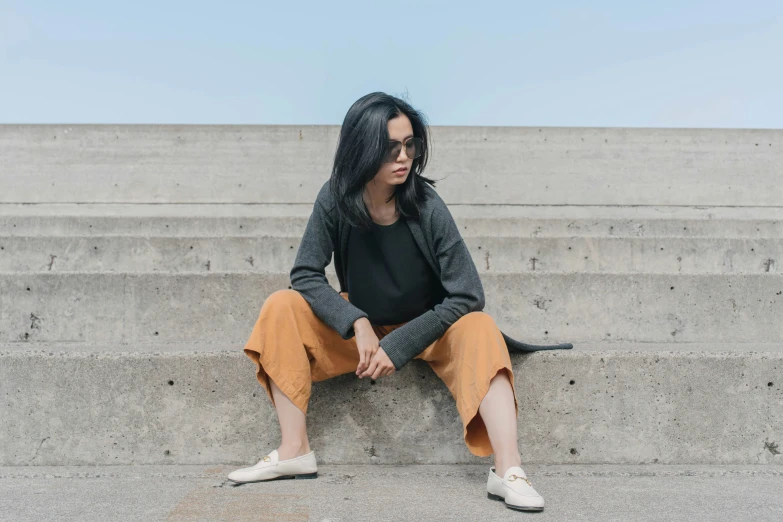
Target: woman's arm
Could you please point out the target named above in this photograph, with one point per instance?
(308, 276)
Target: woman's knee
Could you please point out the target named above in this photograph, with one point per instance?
(478, 321)
(479, 333)
(282, 299)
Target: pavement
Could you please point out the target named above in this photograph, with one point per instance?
(692, 493)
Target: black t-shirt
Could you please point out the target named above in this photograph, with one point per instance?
(388, 277)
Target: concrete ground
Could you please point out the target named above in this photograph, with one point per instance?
(691, 493)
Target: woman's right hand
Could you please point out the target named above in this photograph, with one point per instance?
(366, 342)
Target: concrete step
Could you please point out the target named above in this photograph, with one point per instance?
(128, 254)
(476, 165)
(286, 220)
(539, 308)
(158, 405)
(390, 493)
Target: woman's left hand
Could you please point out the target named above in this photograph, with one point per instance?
(380, 366)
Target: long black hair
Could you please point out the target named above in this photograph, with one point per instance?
(361, 148)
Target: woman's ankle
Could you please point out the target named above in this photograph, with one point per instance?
(501, 465)
(290, 451)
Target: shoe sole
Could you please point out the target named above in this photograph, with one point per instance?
(281, 477)
(492, 496)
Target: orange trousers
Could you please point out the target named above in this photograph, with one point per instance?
(293, 347)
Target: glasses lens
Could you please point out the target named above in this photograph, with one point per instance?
(412, 150)
(393, 153)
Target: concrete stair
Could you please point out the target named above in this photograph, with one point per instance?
(134, 261)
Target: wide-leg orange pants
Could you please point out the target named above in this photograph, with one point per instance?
(293, 347)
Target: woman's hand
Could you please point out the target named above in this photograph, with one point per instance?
(380, 366)
(373, 361)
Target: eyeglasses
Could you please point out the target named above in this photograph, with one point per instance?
(412, 150)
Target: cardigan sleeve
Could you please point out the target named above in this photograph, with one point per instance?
(308, 275)
(460, 279)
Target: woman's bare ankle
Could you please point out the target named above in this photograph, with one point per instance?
(290, 451)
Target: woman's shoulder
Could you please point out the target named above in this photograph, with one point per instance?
(325, 198)
(432, 201)
(324, 195)
(434, 207)
(437, 219)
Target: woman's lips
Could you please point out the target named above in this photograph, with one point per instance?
(401, 171)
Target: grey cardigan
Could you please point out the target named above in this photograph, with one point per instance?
(439, 239)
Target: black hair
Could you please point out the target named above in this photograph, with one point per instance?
(361, 148)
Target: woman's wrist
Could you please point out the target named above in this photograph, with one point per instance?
(361, 324)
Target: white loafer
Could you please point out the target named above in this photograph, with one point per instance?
(271, 468)
(514, 489)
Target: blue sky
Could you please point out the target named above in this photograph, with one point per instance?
(560, 63)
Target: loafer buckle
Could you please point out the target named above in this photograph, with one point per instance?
(513, 477)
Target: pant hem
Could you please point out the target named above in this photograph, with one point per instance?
(285, 386)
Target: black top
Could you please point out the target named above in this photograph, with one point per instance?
(388, 276)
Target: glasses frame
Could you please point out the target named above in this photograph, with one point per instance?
(391, 157)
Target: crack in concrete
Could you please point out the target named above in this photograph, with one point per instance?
(38, 448)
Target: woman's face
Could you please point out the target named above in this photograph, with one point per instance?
(399, 130)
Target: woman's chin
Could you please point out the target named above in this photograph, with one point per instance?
(393, 179)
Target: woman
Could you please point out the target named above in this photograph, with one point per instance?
(409, 290)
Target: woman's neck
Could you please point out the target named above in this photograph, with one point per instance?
(375, 197)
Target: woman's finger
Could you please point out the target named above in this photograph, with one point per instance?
(362, 358)
(377, 373)
(370, 368)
